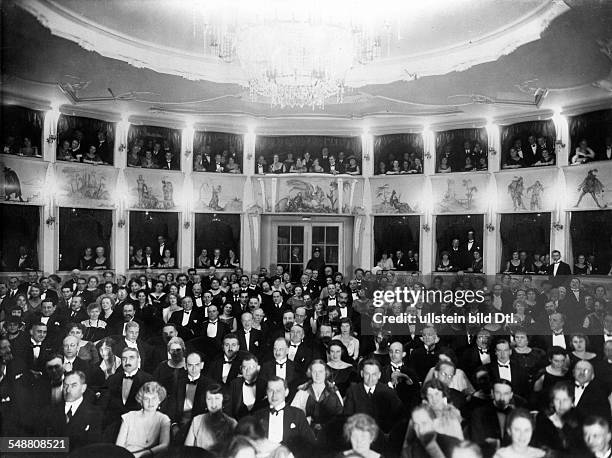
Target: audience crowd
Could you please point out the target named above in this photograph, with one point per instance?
(530, 152)
(470, 158)
(323, 162)
(74, 149)
(273, 365)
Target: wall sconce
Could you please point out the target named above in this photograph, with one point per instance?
(249, 156)
(427, 155)
(121, 222)
(366, 157)
(557, 226)
(122, 148)
(186, 224)
(490, 227)
(51, 138)
(492, 151)
(50, 221)
(426, 227)
(187, 153)
(560, 143)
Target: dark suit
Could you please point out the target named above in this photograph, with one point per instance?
(222, 329)
(114, 406)
(176, 400)
(194, 324)
(25, 351)
(297, 435)
(235, 407)
(562, 272)
(303, 357)
(274, 313)
(145, 350)
(85, 426)
(268, 370)
(485, 424)
(384, 405)
(256, 341)
(215, 370)
(594, 400)
(408, 391)
(520, 377)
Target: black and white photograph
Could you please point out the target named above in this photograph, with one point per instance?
(306, 229)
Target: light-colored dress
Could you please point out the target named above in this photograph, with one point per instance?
(508, 452)
(143, 432)
(199, 434)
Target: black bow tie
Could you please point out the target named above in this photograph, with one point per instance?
(250, 383)
(192, 382)
(227, 362)
(36, 345)
(559, 333)
(273, 411)
(507, 366)
(295, 345)
(483, 352)
(578, 385)
(127, 377)
(281, 365)
(396, 368)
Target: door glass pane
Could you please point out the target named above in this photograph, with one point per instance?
(283, 233)
(318, 235)
(332, 235)
(283, 253)
(297, 253)
(331, 255)
(297, 234)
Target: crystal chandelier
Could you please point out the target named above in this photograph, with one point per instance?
(294, 58)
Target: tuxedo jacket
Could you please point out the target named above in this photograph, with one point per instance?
(222, 329)
(470, 361)
(76, 317)
(520, 377)
(194, 325)
(384, 405)
(563, 270)
(275, 313)
(114, 406)
(546, 340)
(116, 328)
(146, 352)
(484, 424)
(176, 400)
(594, 400)
(268, 370)
(256, 341)
(235, 407)
(25, 351)
(49, 294)
(215, 370)
(297, 435)
(303, 357)
(84, 428)
(408, 391)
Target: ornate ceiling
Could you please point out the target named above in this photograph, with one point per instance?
(453, 63)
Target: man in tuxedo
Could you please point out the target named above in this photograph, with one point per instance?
(45, 292)
(400, 377)
(373, 398)
(600, 340)
(15, 386)
(74, 417)
(300, 352)
(159, 252)
(604, 368)
(169, 163)
(71, 361)
(73, 280)
(105, 151)
(573, 307)
(34, 351)
(346, 310)
(468, 249)
(532, 152)
(250, 339)
(597, 437)
(247, 394)
(502, 367)
(455, 255)
(213, 328)
(32, 280)
(285, 424)
(217, 261)
(77, 311)
(590, 393)
(132, 340)
(281, 366)
(188, 399)
(119, 328)
(477, 355)
(556, 336)
(55, 321)
(558, 269)
(208, 159)
(64, 303)
(426, 356)
(399, 262)
(274, 311)
(188, 320)
(227, 367)
(123, 386)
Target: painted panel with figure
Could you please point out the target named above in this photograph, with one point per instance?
(222, 194)
(84, 186)
(460, 193)
(589, 186)
(397, 195)
(352, 196)
(527, 191)
(22, 180)
(312, 195)
(154, 190)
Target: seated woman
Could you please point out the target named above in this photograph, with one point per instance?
(100, 263)
(316, 166)
(203, 259)
(109, 364)
(298, 167)
(444, 166)
(320, 400)
(579, 343)
(277, 166)
(148, 162)
(448, 419)
(107, 314)
(583, 153)
(87, 350)
(27, 149)
(158, 296)
(514, 265)
(477, 263)
(519, 427)
(167, 262)
(91, 157)
(468, 167)
(64, 153)
(482, 164)
(348, 339)
(382, 168)
(385, 263)
(395, 169)
(547, 158)
(445, 264)
(172, 305)
(134, 159)
(556, 371)
(361, 431)
(228, 318)
(213, 429)
(557, 428)
(343, 373)
(530, 359)
(168, 371)
(146, 432)
(581, 267)
(352, 168)
(95, 328)
(87, 261)
(513, 161)
(232, 260)
(232, 166)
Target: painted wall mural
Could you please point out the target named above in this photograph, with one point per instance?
(22, 180)
(397, 195)
(352, 196)
(527, 191)
(218, 194)
(154, 190)
(589, 186)
(307, 196)
(85, 186)
(460, 193)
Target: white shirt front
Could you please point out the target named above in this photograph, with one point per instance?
(186, 315)
(74, 405)
(131, 344)
(248, 396)
(555, 268)
(44, 319)
(558, 340)
(578, 392)
(275, 425)
(504, 371)
(226, 369)
(247, 338)
(182, 290)
(36, 349)
(211, 329)
(293, 348)
(281, 368)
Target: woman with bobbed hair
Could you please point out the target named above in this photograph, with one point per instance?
(146, 432)
(360, 430)
(319, 399)
(580, 343)
(519, 427)
(343, 373)
(448, 418)
(95, 328)
(348, 339)
(87, 350)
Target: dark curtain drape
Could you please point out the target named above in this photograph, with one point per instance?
(396, 145)
(81, 228)
(457, 137)
(152, 134)
(392, 233)
(20, 122)
(268, 146)
(19, 226)
(84, 129)
(146, 226)
(449, 227)
(591, 233)
(528, 232)
(219, 142)
(594, 127)
(217, 231)
(522, 130)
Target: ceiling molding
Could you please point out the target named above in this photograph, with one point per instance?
(12, 98)
(539, 115)
(72, 110)
(603, 104)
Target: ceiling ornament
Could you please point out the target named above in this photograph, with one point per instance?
(482, 99)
